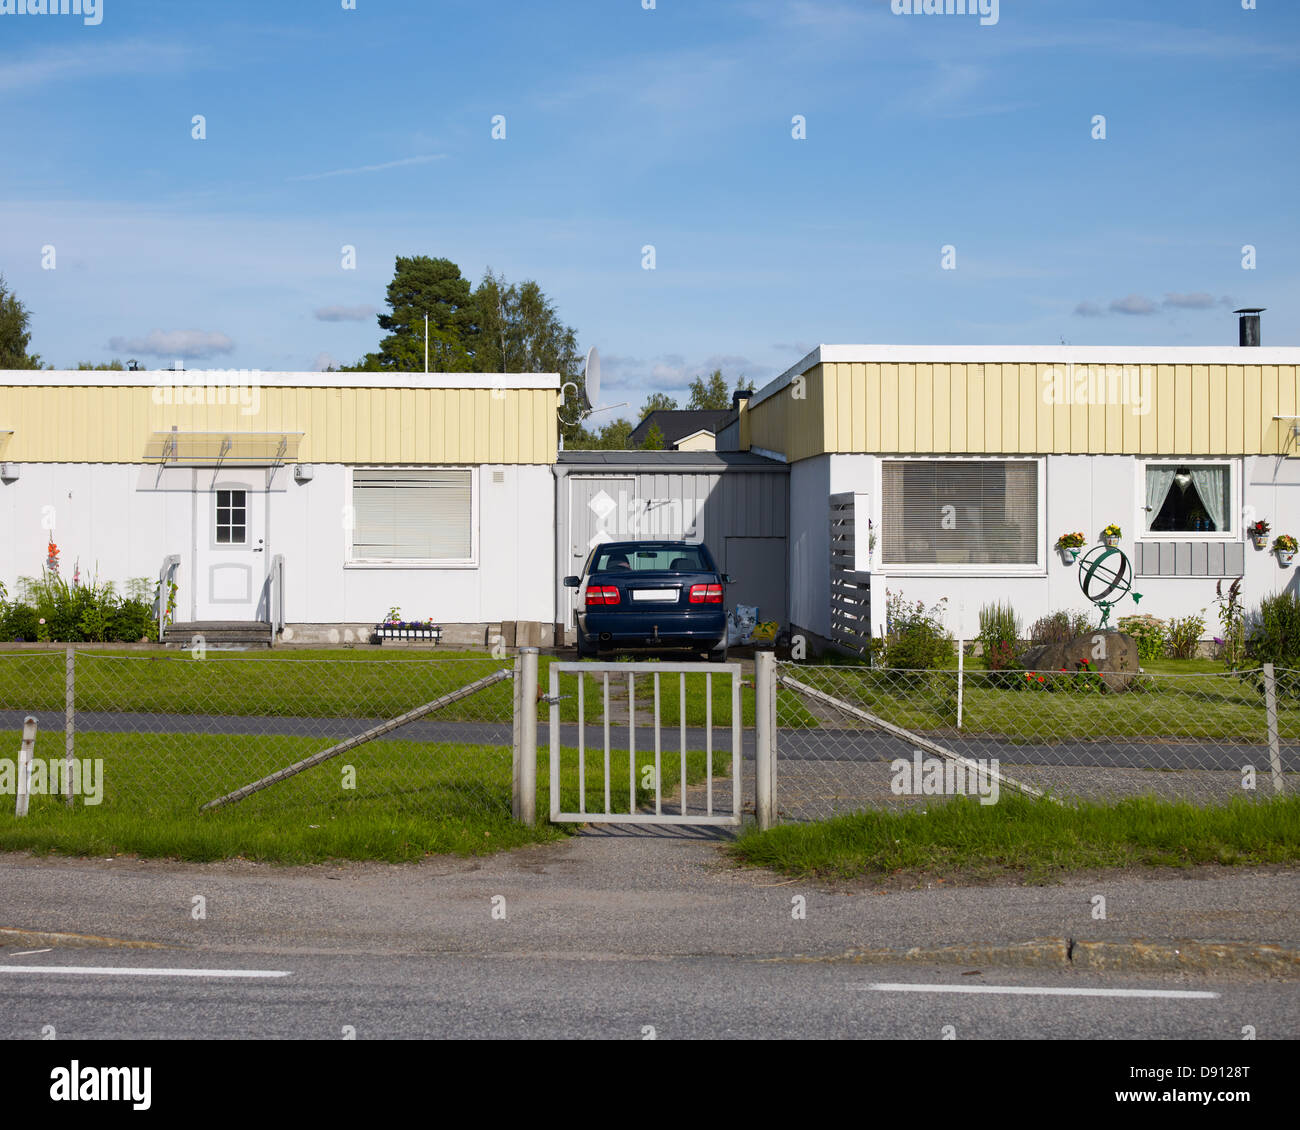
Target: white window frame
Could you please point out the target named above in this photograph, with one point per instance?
(1235, 487)
(353, 562)
(908, 569)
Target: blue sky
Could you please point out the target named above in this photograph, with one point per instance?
(670, 127)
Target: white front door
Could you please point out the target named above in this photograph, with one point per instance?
(231, 548)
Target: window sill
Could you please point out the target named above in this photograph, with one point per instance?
(364, 565)
(963, 570)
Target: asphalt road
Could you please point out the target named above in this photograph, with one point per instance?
(322, 996)
(821, 744)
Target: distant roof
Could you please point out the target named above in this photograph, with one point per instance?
(186, 378)
(677, 425)
(666, 460)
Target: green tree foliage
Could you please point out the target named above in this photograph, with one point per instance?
(112, 366)
(714, 393)
(658, 402)
(498, 327)
(614, 436)
(14, 334)
(517, 330)
(421, 286)
(654, 439)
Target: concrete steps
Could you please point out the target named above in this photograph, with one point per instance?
(216, 633)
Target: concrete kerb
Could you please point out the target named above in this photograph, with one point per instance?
(1132, 956)
(10, 936)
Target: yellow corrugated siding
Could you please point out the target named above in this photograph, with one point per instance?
(341, 425)
(977, 409)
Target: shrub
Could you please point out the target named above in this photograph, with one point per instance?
(1059, 627)
(915, 638)
(998, 624)
(921, 647)
(52, 609)
(1275, 633)
(1149, 632)
(1232, 649)
(1185, 635)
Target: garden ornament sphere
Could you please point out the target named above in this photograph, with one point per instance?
(1106, 577)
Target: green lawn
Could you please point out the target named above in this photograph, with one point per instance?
(322, 684)
(1029, 839)
(1210, 705)
(410, 799)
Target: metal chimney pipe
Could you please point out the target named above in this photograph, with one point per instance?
(1248, 326)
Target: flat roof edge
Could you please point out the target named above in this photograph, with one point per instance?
(1030, 355)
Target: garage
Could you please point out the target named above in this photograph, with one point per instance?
(736, 503)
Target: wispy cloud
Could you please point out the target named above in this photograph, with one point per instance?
(1197, 301)
(423, 159)
(93, 61)
(174, 343)
(344, 313)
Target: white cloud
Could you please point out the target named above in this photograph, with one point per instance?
(1133, 304)
(1087, 309)
(344, 313)
(174, 343)
(1197, 301)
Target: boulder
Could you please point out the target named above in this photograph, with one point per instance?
(1113, 655)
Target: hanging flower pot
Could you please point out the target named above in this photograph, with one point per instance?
(1284, 545)
(1111, 535)
(1260, 540)
(1068, 546)
(1259, 533)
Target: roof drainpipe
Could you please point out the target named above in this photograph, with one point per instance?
(1248, 326)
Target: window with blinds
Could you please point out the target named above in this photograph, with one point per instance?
(412, 515)
(960, 512)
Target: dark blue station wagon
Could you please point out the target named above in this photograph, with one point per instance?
(651, 596)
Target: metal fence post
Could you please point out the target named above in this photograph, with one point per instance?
(517, 716)
(1270, 706)
(24, 785)
(765, 739)
(69, 718)
(961, 671)
(526, 715)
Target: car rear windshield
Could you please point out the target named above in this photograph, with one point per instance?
(672, 558)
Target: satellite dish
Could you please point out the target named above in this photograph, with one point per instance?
(591, 379)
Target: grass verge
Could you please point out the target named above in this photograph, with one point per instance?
(1031, 839)
(407, 800)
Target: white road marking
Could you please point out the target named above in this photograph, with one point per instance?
(28, 953)
(128, 971)
(1039, 991)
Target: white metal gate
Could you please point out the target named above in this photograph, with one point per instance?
(695, 802)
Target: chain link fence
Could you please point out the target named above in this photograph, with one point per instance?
(863, 737)
(164, 734)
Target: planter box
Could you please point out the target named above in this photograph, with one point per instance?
(408, 635)
(1069, 555)
(1285, 557)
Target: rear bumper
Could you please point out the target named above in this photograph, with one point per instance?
(608, 631)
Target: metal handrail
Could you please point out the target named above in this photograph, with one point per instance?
(169, 566)
(276, 610)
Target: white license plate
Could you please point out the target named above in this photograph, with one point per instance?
(655, 594)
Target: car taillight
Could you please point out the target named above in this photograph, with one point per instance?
(706, 594)
(602, 594)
